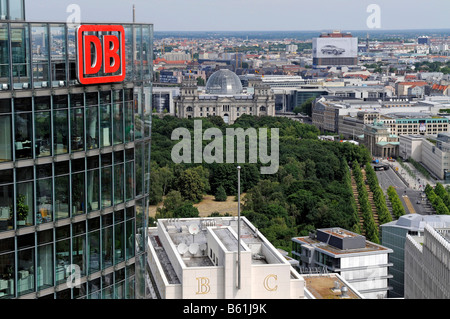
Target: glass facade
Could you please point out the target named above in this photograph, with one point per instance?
(12, 10)
(74, 166)
(395, 238)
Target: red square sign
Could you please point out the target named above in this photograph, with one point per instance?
(101, 57)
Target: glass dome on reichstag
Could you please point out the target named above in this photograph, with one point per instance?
(224, 82)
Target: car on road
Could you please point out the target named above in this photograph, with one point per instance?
(332, 49)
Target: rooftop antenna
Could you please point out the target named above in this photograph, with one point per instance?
(203, 248)
(134, 34)
(239, 227)
(193, 230)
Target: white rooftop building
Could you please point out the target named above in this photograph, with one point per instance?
(361, 263)
(198, 258)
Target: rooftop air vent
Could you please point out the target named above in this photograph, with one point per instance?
(344, 292)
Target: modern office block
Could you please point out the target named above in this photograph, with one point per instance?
(430, 150)
(74, 165)
(427, 264)
(393, 235)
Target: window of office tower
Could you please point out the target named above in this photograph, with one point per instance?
(12, 10)
(16, 10)
(3, 10)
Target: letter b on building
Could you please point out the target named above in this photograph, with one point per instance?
(203, 286)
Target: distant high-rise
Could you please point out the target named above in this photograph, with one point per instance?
(423, 40)
(335, 49)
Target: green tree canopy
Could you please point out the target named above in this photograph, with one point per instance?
(221, 195)
(191, 185)
(186, 211)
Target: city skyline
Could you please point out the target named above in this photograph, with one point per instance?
(252, 15)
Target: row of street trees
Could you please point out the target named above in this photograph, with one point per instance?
(369, 225)
(439, 198)
(396, 203)
(384, 216)
(352, 202)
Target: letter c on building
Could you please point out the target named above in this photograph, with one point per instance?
(267, 285)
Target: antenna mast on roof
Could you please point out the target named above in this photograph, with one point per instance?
(134, 13)
(239, 228)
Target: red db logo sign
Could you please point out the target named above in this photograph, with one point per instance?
(100, 54)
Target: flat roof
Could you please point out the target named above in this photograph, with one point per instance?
(340, 232)
(369, 247)
(161, 253)
(188, 237)
(227, 238)
(412, 136)
(328, 286)
(444, 232)
(417, 222)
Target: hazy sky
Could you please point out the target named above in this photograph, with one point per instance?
(251, 15)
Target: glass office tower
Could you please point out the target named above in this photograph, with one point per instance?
(74, 165)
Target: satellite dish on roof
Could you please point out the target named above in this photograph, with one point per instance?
(193, 248)
(203, 247)
(193, 229)
(182, 248)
